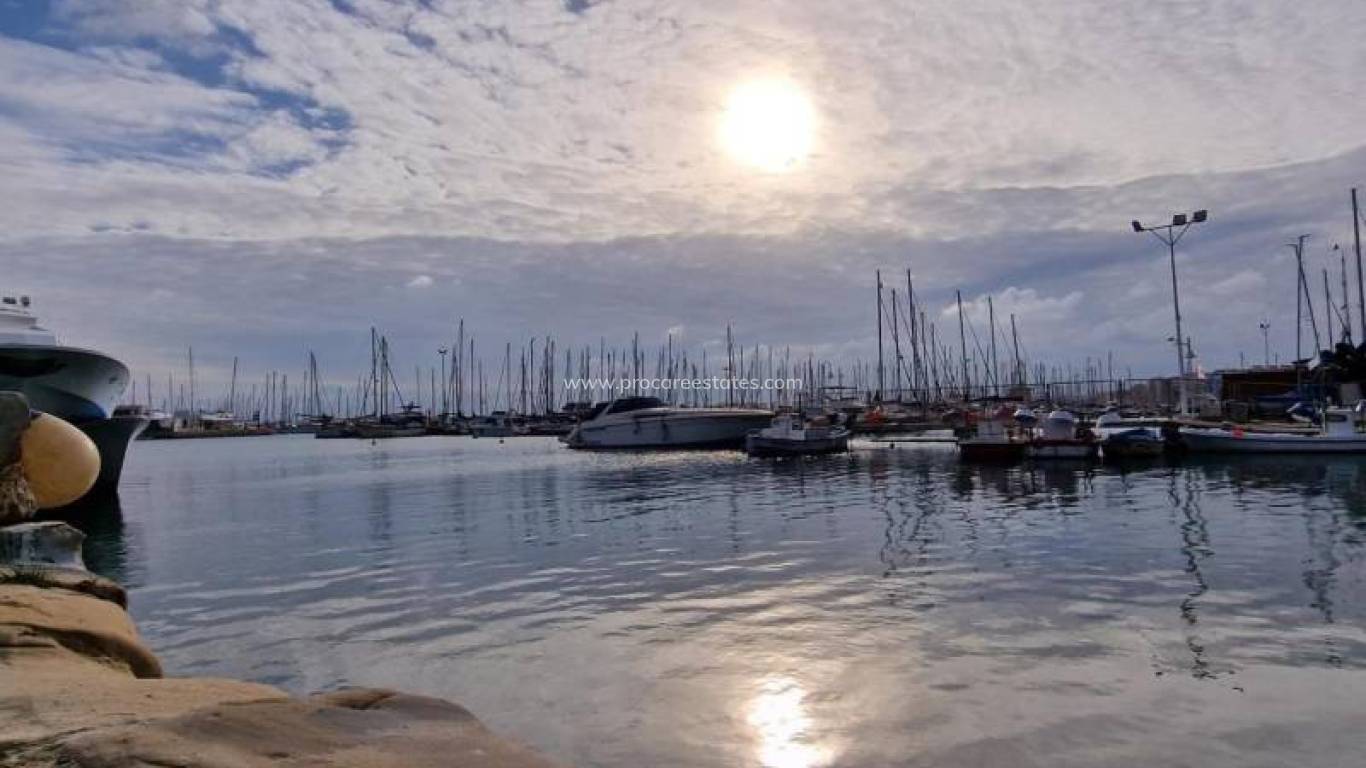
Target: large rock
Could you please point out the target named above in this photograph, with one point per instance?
(359, 727)
(17, 502)
(47, 543)
(79, 689)
(14, 419)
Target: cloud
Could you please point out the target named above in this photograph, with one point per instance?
(565, 154)
(421, 281)
(514, 121)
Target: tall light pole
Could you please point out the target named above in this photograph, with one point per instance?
(443, 352)
(1171, 234)
(1265, 325)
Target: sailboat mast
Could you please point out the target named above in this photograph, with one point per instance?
(995, 365)
(193, 414)
(1299, 302)
(1016, 378)
(963, 346)
(915, 332)
(232, 388)
(1328, 306)
(1356, 238)
(1346, 297)
(374, 373)
(896, 349)
(881, 381)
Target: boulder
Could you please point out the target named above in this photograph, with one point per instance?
(14, 418)
(49, 543)
(360, 728)
(17, 502)
(78, 689)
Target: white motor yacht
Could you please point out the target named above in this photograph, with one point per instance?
(74, 384)
(646, 422)
(79, 385)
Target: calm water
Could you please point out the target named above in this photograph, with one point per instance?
(889, 607)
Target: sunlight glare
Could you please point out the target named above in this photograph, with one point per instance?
(768, 124)
(779, 718)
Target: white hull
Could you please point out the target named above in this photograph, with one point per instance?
(1224, 441)
(75, 384)
(759, 445)
(670, 428)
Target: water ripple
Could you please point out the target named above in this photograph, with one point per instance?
(884, 607)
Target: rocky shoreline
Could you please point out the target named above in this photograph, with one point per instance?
(79, 688)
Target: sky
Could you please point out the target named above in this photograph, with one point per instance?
(258, 178)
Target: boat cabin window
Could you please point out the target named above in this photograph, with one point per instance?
(634, 404)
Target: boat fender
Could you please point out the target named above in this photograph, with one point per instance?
(59, 461)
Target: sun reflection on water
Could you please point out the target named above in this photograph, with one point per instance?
(779, 719)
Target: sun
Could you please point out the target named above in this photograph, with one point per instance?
(768, 124)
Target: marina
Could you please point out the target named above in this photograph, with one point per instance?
(428, 384)
(879, 604)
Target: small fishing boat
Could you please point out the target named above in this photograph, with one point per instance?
(1339, 432)
(791, 435)
(1059, 438)
(992, 439)
(1136, 443)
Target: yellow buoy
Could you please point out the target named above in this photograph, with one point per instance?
(60, 463)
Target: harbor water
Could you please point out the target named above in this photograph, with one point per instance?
(886, 607)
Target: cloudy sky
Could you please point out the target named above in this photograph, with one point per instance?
(260, 178)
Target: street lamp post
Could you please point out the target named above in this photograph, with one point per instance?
(1171, 234)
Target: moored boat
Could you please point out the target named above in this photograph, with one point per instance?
(1059, 438)
(408, 423)
(992, 439)
(498, 424)
(78, 385)
(1340, 431)
(646, 422)
(791, 435)
(1136, 443)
